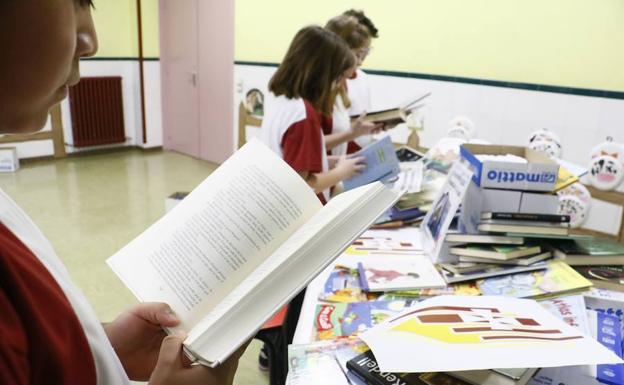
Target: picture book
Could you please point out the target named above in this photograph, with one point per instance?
(557, 279)
(393, 116)
(365, 367)
(438, 219)
(341, 320)
(604, 277)
(323, 362)
(403, 241)
(455, 333)
(570, 309)
(521, 261)
(240, 246)
(381, 161)
(493, 271)
(343, 285)
(592, 251)
(398, 273)
(500, 252)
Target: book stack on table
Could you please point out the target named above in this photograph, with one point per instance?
(389, 312)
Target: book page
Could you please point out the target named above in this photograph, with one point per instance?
(196, 254)
(306, 253)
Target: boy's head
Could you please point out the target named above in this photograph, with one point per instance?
(364, 20)
(357, 30)
(41, 42)
(315, 64)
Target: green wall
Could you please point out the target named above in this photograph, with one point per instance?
(570, 43)
(116, 25)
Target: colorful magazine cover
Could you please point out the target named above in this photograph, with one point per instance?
(343, 320)
(557, 279)
(398, 273)
(343, 285)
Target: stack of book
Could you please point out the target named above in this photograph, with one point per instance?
(522, 223)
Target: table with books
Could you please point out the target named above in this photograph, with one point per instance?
(485, 294)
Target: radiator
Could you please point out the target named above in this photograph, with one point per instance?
(97, 111)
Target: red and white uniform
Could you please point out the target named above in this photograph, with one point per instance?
(359, 94)
(295, 131)
(50, 334)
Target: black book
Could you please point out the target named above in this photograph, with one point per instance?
(552, 218)
(365, 368)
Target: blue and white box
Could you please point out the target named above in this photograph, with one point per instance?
(539, 173)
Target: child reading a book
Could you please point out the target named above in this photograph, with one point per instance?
(344, 129)
(300, 103)
(50, 334)
(357, 85)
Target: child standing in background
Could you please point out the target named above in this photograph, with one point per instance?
(357, 85)
(357, 36)
(302, 93)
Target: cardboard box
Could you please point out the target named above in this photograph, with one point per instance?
(9, 162)
(539, 174)
(478, 200)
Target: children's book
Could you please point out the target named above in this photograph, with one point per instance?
(496, 376)
(393, 116)
(322, 362)
(342, 320)
(570, 309)
(240, 246)
(604, 277)
(343, 285)
(491, 271)
(398, 273)
(381, 161)
(500, 252)
(456, 333)
(522, 261)
(593, 251)
(557, 279)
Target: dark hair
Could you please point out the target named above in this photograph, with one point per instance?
(365, 21)
(315, 59)
(350, 29)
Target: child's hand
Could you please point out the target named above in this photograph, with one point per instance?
(361, 127)
(332, 161)
(348, 167)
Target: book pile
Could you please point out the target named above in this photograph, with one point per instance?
(421, 298)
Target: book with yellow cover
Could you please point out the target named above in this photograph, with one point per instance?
(557, 279)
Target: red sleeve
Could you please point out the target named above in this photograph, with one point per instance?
(302, 146)
(327, 124)
(14, 367)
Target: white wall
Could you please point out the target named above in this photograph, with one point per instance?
(501, 115)
(129, 72)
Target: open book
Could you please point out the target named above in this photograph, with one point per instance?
(381, 161)
(393, 116)
(240, 246)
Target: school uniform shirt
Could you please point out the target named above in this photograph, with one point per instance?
(341, 123)
(295, 131)
(50, 334)
(359, 94)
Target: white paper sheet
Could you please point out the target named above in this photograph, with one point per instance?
(448, 333)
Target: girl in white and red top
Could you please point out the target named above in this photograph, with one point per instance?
(358, 31)
(50, 334)
(299, 106)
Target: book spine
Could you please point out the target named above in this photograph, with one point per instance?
(528, 217)
(364, 367)
(362, 276)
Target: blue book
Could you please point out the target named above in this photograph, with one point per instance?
(382, 164)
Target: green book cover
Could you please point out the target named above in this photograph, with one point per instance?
(594, 247)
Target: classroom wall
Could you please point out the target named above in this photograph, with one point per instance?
(572, 43)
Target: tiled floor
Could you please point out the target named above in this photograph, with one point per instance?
(90, 206)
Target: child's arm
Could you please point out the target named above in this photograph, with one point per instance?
(345, 168)
(359, 127)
